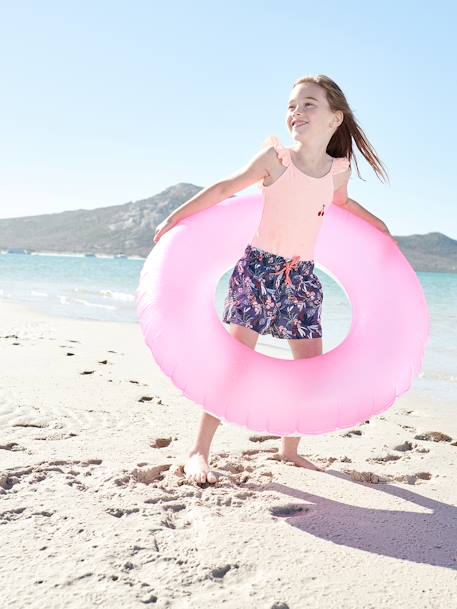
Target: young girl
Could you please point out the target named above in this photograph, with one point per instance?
(273, 288)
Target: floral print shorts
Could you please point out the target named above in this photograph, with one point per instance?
(275, 295)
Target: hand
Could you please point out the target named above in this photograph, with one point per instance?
(385, 230)
(397, 243)
(162, 228)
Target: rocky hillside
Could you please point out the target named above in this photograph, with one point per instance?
(127, 229)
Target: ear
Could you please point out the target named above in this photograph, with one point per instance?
(339, 117)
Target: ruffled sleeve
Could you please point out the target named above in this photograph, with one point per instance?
(341, 164)
(283, 153)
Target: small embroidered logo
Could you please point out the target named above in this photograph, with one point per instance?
(321, 212)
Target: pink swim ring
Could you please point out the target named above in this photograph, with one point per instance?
(361, 377)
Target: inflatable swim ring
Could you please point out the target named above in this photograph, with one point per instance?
(360, 378)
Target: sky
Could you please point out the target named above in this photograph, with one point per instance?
(108, 102)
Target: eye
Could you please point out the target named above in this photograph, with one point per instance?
(306, 104)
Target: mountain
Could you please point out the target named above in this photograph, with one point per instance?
(129, 229)
(432, 252)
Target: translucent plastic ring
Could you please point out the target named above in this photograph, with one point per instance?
(361, 377)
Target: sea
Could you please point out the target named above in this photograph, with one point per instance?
(103, 288)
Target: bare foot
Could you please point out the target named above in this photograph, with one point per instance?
(299, 461)
(197, 470)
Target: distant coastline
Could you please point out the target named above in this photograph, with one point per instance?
(127, 230)
(72, 254)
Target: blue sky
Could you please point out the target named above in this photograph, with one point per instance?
(108, 102)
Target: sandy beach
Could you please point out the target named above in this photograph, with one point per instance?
(96, 511)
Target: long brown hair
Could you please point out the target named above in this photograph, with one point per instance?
(340, 143)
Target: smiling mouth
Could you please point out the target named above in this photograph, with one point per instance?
(297, 124)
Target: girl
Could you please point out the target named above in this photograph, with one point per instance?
(273, 288)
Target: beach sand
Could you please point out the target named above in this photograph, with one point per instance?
(96, 512)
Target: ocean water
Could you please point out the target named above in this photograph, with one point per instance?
(104, 289)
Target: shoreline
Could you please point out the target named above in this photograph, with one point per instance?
(72, 255)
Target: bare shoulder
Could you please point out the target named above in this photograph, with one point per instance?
(340, 179)
(271, 160)
(341, 172)
(255, 170)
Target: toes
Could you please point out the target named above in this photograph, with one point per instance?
(201, 477)
(211, 477)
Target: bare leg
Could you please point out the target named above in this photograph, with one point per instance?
(196, 467)
(301, 348)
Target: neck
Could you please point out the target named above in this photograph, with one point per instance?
(314, 156)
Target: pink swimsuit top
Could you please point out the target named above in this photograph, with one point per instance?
(293, 208)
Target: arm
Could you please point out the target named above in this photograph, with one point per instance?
(358, 210)
(254, 171)
(205, 198)
(340, 198)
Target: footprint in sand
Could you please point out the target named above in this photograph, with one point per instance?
(365, 476)
(253, 452)
(174, 506)
(220, 572)
(147, 475)
(34, 421)
(60, 415)
(263, 438)
(12, 477)
(433, 436)
(288, 509)
(353, 432)
(13, 446)
(371, 477)
(160, 442)
(14, 514)
(384, 459)
(120, 512)
(407, 445)
(56, 436)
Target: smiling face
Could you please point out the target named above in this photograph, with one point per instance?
(309, 114)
